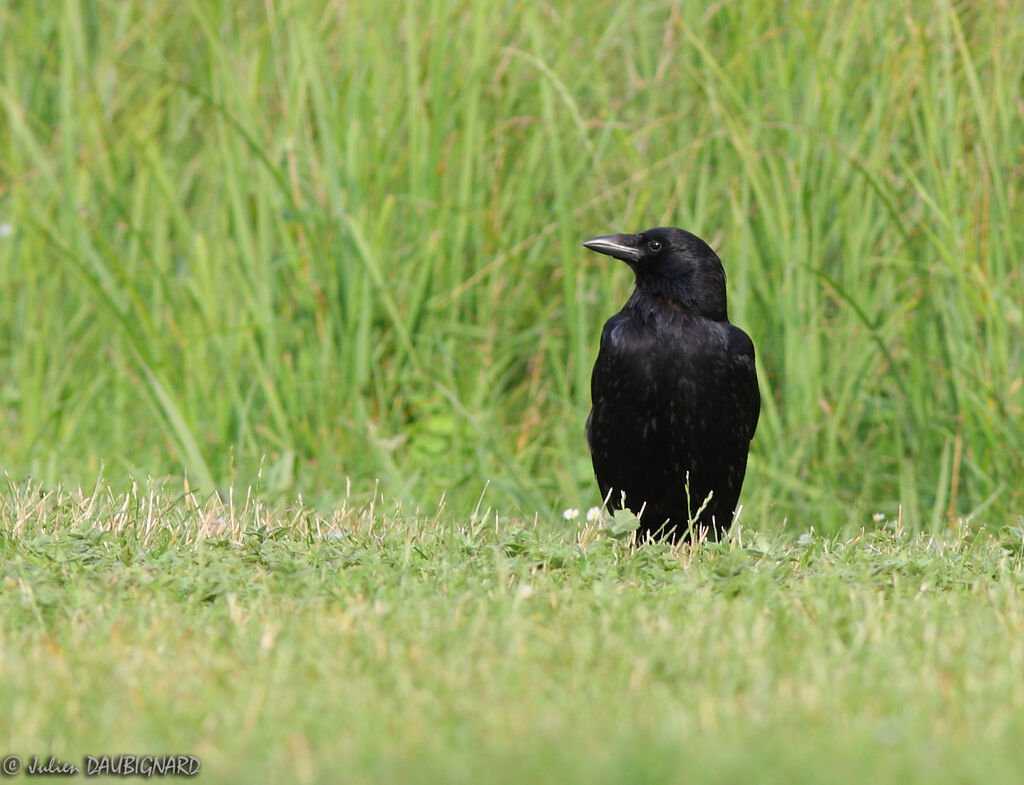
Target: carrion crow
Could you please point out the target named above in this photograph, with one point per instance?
(675, 395)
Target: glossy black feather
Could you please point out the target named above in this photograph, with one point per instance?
(674, 389)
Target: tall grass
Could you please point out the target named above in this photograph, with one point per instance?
(306, 241)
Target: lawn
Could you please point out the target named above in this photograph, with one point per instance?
(390, 646)
(293, 290)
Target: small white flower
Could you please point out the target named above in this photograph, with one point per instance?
(878, 517)
(571, 514)
(593, 514)
(6, 230)
(525, 591)
(804, 540)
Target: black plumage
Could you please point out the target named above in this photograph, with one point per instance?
(675, 395)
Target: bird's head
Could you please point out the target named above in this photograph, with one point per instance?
(672, 264)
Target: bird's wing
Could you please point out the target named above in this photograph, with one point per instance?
(604, 353)
(607, 331)
(744, 378)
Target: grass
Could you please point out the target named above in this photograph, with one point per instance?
(400, 646)
(340, 240)
(329, 252)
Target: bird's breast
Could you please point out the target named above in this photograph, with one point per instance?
(661, 359)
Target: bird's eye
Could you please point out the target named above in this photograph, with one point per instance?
(654, 246)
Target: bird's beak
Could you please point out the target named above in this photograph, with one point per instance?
(625, 247)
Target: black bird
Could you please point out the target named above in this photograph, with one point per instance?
(675, 396)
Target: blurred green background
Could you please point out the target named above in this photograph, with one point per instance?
(317, 246)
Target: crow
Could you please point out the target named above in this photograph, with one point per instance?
(674, 390)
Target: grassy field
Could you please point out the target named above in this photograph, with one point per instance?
(384, 646)
(341, 240)
(322, 260)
